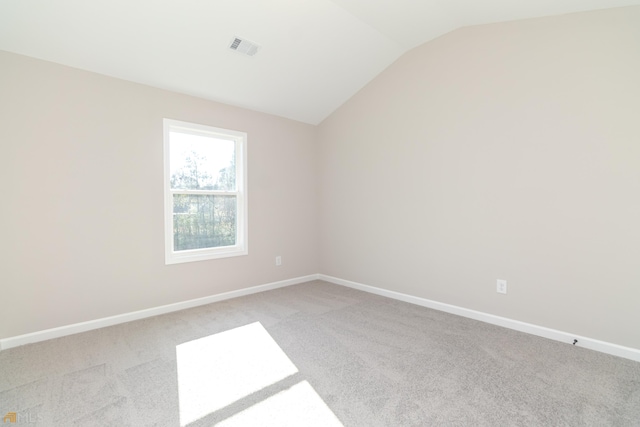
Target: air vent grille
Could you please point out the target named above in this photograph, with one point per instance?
(244, 46)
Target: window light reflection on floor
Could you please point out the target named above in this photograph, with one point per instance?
(297, 406)
(218, 370)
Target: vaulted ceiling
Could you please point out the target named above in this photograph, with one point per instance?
(313, 56)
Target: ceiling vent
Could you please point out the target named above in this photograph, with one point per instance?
(244, 46)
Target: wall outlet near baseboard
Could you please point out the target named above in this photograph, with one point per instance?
(501, 287)
(278, 260)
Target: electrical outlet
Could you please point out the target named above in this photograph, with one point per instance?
(501, 287)
(278, 260)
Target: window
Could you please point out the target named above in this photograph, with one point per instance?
(205, 192)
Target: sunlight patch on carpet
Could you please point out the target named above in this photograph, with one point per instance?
(297, 406)
(217, 370)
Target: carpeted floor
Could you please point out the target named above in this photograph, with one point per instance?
(315, 354)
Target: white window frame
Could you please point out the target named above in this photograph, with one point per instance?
(241, 246)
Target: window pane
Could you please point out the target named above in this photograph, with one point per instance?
(202, 163)
(203, 221)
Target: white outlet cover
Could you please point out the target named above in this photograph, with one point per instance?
(501, 286)
(278, 260)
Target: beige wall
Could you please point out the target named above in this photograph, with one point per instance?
(81, 219)
(500, 151)
(505, 151)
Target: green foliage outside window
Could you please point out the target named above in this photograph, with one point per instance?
(203, 220)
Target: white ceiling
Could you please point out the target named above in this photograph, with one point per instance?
(315, 53)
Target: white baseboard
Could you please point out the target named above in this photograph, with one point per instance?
(592, 344)
(76, 328)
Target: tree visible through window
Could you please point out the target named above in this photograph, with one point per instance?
(204, 191)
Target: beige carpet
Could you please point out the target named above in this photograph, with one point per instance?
(314, 354)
